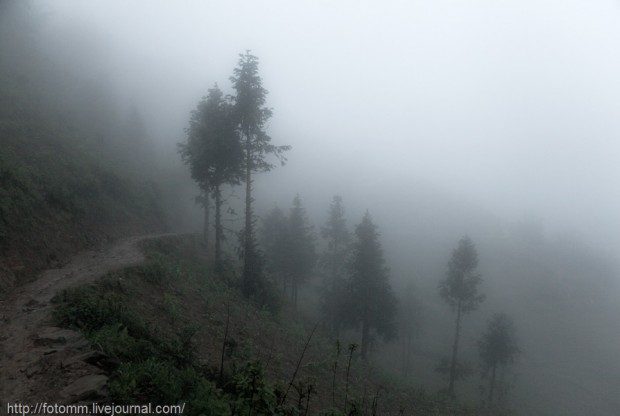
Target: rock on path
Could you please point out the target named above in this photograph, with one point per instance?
(33, 350)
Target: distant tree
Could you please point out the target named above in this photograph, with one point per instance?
(134, 131)
(460, 290)
(409, 324)
(333, 262)
(252, 115)
(301, 248)
(372, 304)
(275, 242)
(214, 155)
(497, 348)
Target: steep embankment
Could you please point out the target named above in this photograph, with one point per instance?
(56, 199)
(62, 188)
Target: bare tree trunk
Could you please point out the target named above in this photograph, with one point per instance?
(407, 354)
(205, 231)
(218, 229)
(294, 293)
(247, 244)
(365, 337)
(224, 343)
(455, 349)
(492, 384)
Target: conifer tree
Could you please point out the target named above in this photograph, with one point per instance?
(214, 155)
(460, 290)
(252, 116)
(275, 243)
(301, 248)
(334, 264)
(497, 348)
(372, 304)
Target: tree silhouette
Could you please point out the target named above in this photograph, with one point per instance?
(372, 305)
(497, 348)
(460, 290)
(213, 153)
(301, 249)
(252, 115)
(333, 262)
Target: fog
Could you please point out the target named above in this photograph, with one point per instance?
(498, 120)
(506, 106)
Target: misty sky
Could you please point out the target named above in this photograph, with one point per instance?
(511, 106)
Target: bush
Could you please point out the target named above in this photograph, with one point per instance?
(88, 309)
(115, 341)
(153, 380)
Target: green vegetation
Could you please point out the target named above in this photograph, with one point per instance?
(159, 366)
(182, 353)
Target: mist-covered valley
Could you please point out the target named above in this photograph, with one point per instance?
(433, 219)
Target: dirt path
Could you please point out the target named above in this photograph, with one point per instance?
(39, 362)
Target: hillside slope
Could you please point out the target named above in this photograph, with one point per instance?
(56, 200)
(158, 332)
(61, 186)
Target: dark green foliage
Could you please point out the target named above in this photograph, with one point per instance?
(253, 392)
(372, 304)
(252, 116)
(117, 342)
(89, 309)
(460, 290)
(161, 382)
(212, 150)
(214, 155)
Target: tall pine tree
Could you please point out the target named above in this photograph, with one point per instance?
(301, 250)
(372, 304)
(252, 116)
(334, 265)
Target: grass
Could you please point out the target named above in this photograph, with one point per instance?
(55, 200)
(60, 190)
(165, 322)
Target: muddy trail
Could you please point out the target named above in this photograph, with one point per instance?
(43, 363)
